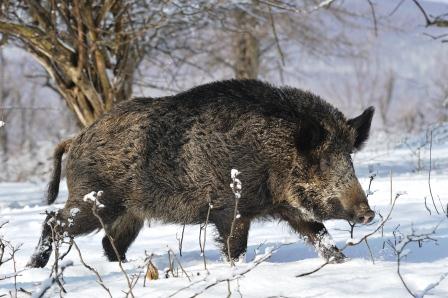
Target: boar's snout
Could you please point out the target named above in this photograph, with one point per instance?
(364, 216)
(356, 205)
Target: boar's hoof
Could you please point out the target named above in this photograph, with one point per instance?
(334, 256)
(38, 261)
(338, 258)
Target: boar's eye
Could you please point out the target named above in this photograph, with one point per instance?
(361, 124)
(309, 135)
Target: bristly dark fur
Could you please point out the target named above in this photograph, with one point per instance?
(167, 158)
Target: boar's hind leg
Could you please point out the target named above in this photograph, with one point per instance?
(317, 235)
(123, 231)
(238, 241)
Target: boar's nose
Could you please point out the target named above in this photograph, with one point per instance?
(365, 217)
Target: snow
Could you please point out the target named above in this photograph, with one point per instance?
(275, 253)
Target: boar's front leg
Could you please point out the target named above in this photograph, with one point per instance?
(238, 240)
(317, 235)
(123, 231)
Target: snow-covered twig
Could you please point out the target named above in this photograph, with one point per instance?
(236, 187)
(58, 238)
(13, 249)
(401, 252)
(49, 282)
(432, 285)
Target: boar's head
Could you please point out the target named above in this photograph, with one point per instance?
(322, 181)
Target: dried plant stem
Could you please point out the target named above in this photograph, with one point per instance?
(202, 245)
(99, 279)
(111, 240)
(232, 227)
(181, 240)
(429, 173)
(180, 264)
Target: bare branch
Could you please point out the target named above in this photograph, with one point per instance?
(94, 197)
(429, 173)
(99, 279)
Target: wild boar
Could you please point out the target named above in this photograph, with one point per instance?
(167, 158)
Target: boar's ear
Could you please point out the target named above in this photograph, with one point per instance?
(309, 135)
(361, 124)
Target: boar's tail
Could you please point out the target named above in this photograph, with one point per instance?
(53, 186)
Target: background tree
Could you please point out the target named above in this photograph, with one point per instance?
(90, 49)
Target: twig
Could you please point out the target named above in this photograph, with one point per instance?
(99, 279)
(429, 173)
(93, 196)
(13, 253)
(427, 208)
(53, 223)
(180, 264)
(236, 188)
(274, 32)
(202, 245)
(370, 251)
(445, 211)
(438, 21)
(400, 251)
(315, 270)
(372, 9)
(181, 240)
(48, 283)
(428, 21)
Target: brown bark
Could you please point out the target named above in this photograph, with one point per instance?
(246, 48)
(76, 50)
(3, 132)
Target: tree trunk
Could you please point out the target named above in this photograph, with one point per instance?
(246, 47)
(3, 134)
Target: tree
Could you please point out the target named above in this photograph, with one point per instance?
(90, 48)
(252, 39)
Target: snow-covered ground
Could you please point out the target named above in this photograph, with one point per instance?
(21, 205)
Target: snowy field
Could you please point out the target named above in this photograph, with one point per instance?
(362, 275)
